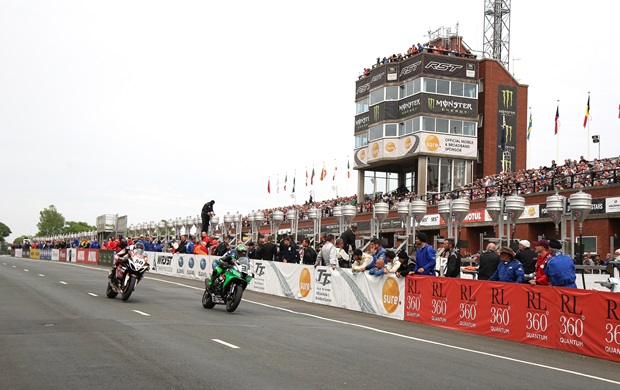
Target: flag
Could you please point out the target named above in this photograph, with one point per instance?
(585, 119)
(348, 169)
(323, 173)
(285, 178)
(293, 185)
(269, 185)
(529, 127)
(278, 185)
(503, 142)
(335, 169)
(306, 176)
(312, 177)
(557, 118)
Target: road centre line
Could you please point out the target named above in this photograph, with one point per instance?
(142, 313)
(524, 362)
(225, 343)
(26, 270)
(93, 295)
(61, 282)
(41, 275)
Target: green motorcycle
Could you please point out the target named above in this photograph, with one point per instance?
(228, 288)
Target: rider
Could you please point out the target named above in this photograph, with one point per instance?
(121, 257)
(228, 261)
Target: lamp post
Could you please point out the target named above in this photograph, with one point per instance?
(337, 212)
(315, 215)
(259, 217)
(161, 225)
(514, 205)
(453, 213)
(252, 226)
(509, 208)
(580, 207)
(556, 207)
(214, 221)
(169, 226)
(228, 220)
(379, 212)
(276, 219)
(178, 224)
(410, 213)
(291, 215)
(238, 219)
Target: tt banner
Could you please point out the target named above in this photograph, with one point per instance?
(55, 254)
(35, 253)
(106, 257)
(259, 283)
(88, 256)
(18, 253)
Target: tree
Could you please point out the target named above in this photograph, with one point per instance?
(4, 231)
(51, 222)
(19, 240)
(77, 227)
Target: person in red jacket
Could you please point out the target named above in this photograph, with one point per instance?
(541, 247)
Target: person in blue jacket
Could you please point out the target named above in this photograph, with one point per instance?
(560, 268)
(509, 269)
(424, 256)
(95, 244)
(377, 251)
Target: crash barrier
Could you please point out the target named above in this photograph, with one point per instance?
(580, 321)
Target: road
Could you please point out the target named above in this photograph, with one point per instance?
(59, 330)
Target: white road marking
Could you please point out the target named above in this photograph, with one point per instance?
(3, 263)
(26, 270)
(41, 275)
(14, 267)
(92, 295)
(61, 282)
(141, 312)
(225, 343)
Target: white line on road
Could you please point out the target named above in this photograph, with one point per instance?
(225, 343)
(26, 270)
(14, 267)
(41, 275)
(141, 312)
(92, 295)
(3, 263)
(61, 282)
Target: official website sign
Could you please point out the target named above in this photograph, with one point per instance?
(448, 145)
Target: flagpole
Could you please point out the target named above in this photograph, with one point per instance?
(588, 139)
(527, 132)
(557, 139)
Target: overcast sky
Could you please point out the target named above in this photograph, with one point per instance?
(151, 108)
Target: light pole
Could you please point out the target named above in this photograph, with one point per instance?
(315, 215)
(276, 219)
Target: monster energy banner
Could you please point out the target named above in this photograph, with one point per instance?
(409, 106)
(506, 128)
(449, 105)
(383, 111)
(362, 121)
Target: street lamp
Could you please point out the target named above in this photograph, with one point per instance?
(453, 213)
(228, 220)
(291, 215)
(337, 212)
(410, 213)
(379, 212)
(259, 217)
(315, 215)
(276, 219)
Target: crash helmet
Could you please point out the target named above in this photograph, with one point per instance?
(138, 248)
(241, 250)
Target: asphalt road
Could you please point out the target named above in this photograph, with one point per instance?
(59, 330)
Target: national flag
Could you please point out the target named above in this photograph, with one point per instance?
(335, 169)
(348, 169)
(285, 179)
(312, 177)
(323, 173)
(278, 185)
(293, 185)
(585, 119)
(306, 176)
(269, 185)
(529, 127)
(503, 141)
(557, 118)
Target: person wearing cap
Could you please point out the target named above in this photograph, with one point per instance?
(526, 256)
(360, 260)
(509, 269)
(560, 268)
(453, 269)
(425, 256)
(407, 265)
(542, 249)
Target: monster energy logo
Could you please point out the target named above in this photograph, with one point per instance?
(507, 95)
(508, 133)
(376, 111)
(431, 103)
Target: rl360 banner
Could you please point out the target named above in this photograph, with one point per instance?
(581, 321)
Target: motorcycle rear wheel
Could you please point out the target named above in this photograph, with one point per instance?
(207, 300)
(233, 303)
(129, 288)
(110, 292)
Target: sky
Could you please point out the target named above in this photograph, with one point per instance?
(151, 108)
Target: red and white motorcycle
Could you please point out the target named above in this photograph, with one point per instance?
(128, 274)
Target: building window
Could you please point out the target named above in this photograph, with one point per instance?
(469, 128)
(432, 176)
(375, 133)
(361, 106)
(391, 129)
(456, 88)
(456, 127)
(469, 90)
(430, 85)
(376, 96)
(391, 93)
(361, 140)
(441, 125)
(443, 87)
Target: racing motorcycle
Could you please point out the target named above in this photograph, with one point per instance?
(128, 274)
(228, 288)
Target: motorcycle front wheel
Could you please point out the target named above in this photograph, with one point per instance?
(110, 292)
(233, 302)
(207, 300)
(129, 288)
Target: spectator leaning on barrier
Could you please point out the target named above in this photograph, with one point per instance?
(488, 262)
(453, 269)
(392, 262)
(378, 269)
(191, 243)
(289, 251)
(327, 255)
(182, 245)
(542, 249)
(425, 256)
(377, 251)
(509, 269)
(407, 265)
(95, 244)
(560, 268)
(527, 257)
(344, 261)
(360, 261)
(200, 248)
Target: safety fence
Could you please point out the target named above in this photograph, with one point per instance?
(581, 321)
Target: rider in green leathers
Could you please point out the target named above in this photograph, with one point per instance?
(227, 261)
